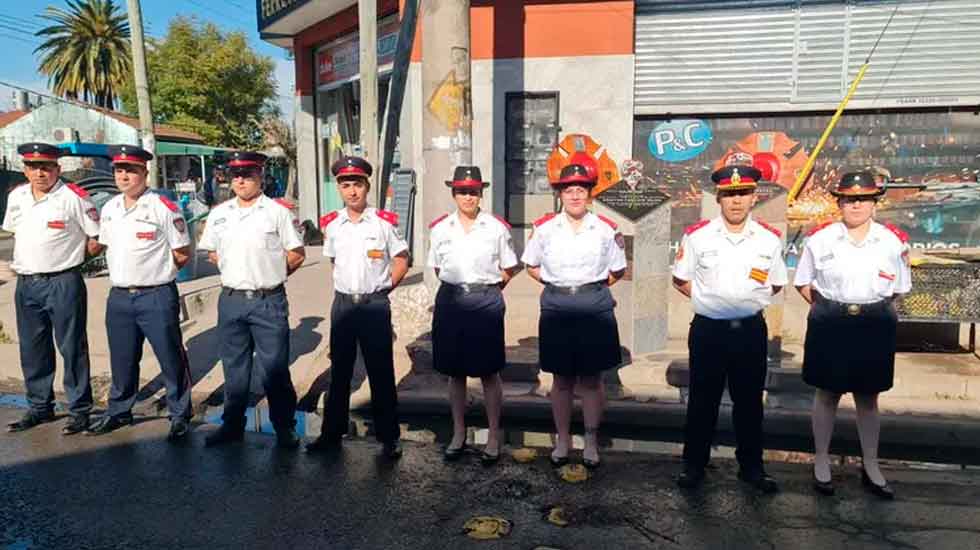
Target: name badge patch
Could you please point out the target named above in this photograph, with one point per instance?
(886, 276)
(146, 235)
(56, 224)
(759, 275)
(375, 254)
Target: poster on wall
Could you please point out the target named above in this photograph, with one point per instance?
(341, 60)
(929, 162)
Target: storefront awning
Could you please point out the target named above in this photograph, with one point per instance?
(169, 148)
(279, 21)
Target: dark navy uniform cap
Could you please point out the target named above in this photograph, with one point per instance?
(466, 177)
(736, 176)
(351, 167)
(574, 174)
(129, 154)
(246, 159)
(38, 152)
(857, 184)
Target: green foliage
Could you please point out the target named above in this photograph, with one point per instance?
(208, 82)
(85, 52)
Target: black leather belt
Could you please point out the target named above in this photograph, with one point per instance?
(250, 294)
(363, 297)
(731, 323)
(578, 289)
(137, 289)
(43, 276)
(471, 288)
(852, 309)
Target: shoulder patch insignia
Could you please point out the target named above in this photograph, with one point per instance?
(180, 224)
(93, 214)
(389, 217)
(770, 228)
(436, 221)
(285, 203)
(902, 236)
(609, 222)
(78, 190)
(824, 225)
(502, 220)
(171, 205)
(544, 218)
(327, 218)
(694, 227)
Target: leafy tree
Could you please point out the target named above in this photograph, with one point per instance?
(85, 52)
(209, 82)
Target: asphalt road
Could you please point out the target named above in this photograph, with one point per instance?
(132, 489)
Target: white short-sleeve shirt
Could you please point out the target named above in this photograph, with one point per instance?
(140, 240)
(251, 243)
(476, 257)
(50, 234)
(361, 251)
(732, 274)
(843, 270)
(570, 258)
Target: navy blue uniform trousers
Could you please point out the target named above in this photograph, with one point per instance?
(720, 351)
(256, 330)
(131, 317)
(58, 304)
(369, 324)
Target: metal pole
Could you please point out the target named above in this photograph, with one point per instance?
(447, 113)
(367, 17)
(142, 88)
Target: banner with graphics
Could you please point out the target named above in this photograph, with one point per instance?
(928, 161)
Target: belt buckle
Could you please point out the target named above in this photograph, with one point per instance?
(573, 290)
(249, 294)
(853, 309)
(357, 298)
(735, 323)
(132, 290)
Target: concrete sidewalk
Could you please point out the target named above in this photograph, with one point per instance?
(131, 489)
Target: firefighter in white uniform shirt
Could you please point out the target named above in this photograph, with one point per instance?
(730, 267)
(474, 258)
(255, 242)
(369, 260)
(147, 241)
(577, 255)
(54, 225)
(850, 271)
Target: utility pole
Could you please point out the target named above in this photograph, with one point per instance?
(143, 89)
(447, 117)
(367, 19)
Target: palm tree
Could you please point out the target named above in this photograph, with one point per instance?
(86, 51)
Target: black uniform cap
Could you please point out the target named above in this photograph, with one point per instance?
(574, 174)
(246, 159)
(465, 177)
(857, 184)
(347, 167)
(38, 152)
(129, 154)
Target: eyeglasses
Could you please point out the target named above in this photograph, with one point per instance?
(851, 200)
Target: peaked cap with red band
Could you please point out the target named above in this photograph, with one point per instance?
(351, 167)
(857, 184)
(735, 177)
(467, 177)
(246, 159)
(129, 154)
(575, 174)
(38, 152)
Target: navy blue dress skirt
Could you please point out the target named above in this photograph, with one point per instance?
(577, 333)
(468, 331)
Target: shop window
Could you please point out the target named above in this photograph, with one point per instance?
(532, 134)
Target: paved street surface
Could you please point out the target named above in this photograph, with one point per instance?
(133, 490)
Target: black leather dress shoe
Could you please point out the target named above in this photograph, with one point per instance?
(224, 434)
(825, 488)
(78, 423)
(107, 424)
(557, 461)
(287, 439)
(883, 492)
(392, 450)
(591, 464)
(690, 478)
(29, 420)
(760, 480)
(325, 444)
(179, 428)
(489, 459)
(452, 454)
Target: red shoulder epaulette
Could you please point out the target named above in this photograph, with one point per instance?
(78, 190)
(813, 231)
(502, 220)
(327, 218)
(436, 221)
(694, 227)
(169, 204)
(544, 218)
(389, 217)
(611, 223)
(283, 202)
(902, 236)
(771, 229)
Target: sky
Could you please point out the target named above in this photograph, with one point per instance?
(19, 19)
